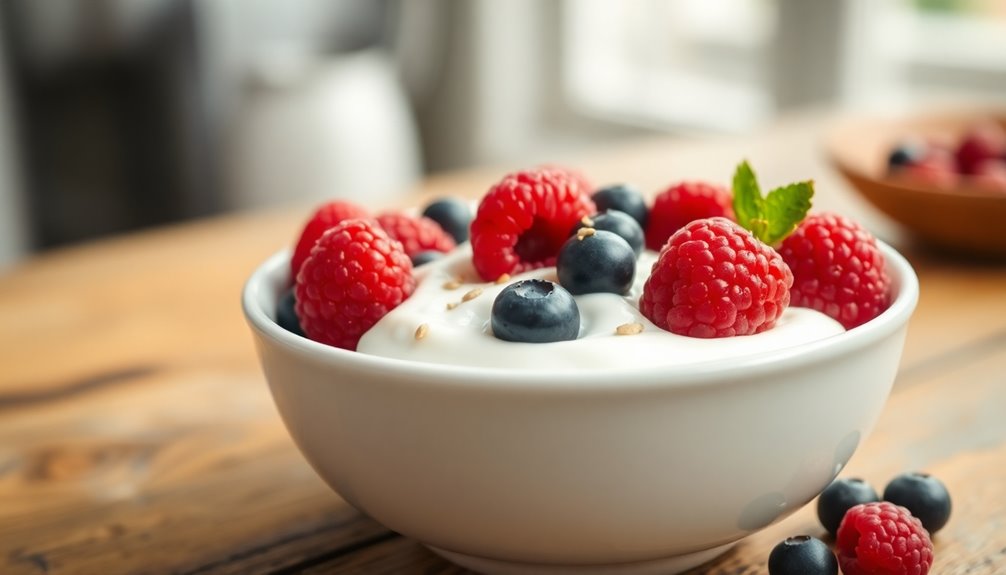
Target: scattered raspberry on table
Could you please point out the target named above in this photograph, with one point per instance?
(883, 539)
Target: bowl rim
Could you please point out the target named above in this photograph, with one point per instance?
(737, 370)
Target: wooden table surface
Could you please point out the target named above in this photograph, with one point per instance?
(137, 434)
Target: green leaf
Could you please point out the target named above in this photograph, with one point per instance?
(784, 209)
(747, 196)
(775, 216)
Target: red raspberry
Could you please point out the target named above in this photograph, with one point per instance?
(354, 276)
(715, 279)
(982, 142)
(325, 217)
(837, 269)
(524, 219)
(417, 234)
(683, 203)
(573, 173)
(883, 539)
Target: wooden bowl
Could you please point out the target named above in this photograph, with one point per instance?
(964, 218)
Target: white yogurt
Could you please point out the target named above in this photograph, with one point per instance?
(463, 335)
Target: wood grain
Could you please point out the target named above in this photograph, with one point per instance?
(137, 434)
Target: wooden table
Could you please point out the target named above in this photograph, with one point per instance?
(137, 434)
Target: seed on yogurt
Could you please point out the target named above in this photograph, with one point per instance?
(471, 295)
(422, 330)
(629, 328)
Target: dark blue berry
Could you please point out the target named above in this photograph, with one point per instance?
(453, 215)
(922, 494)
(286, 316)
(599, 262)
(623, 198)
(839, 497)
(802, 555)
(426, 257)
(905, 154)
(535, 311)
(619, 223)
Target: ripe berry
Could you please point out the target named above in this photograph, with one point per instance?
(599, 262)
(453, 215)
(922, 494)
(883, 539)
(616, 222)
(841, 496)
(983, 142)
(714, 279)
(905, 154)
(535, 311)
(837, 269)
(416, 234)
(354, 276)
(286, 316)
(683, 203)
(624, 198)
(324, 218)
(524, 220)
(802, 555)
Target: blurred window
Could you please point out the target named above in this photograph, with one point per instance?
(729, 65)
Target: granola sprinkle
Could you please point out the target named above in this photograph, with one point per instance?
(629, 328)
(472, 294)
(422, 330)
(584, 233)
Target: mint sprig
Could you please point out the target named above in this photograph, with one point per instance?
(773, 217)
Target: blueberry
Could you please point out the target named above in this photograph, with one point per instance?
(286, 317)
(922, 494)
(619, 223)
(535, 311)
(905, 154)
(802, 555)
(453, 215)
(598, 262)
(426, 257)
(839, 497)
(623, 198)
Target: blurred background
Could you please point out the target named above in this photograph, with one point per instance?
(117, 115)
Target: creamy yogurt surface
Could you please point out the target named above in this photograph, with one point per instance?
(458, 329)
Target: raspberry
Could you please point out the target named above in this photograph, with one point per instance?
(837, 269)
(325, 217)
(883, 539)
(416, 234)
(714, 279)
(982, 142)
(683, 203)
(354, 276)
(524, 220)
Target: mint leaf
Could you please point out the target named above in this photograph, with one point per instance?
(784, 209)
(775, 216)
(747, 196)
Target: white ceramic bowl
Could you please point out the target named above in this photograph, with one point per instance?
(644, 471)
